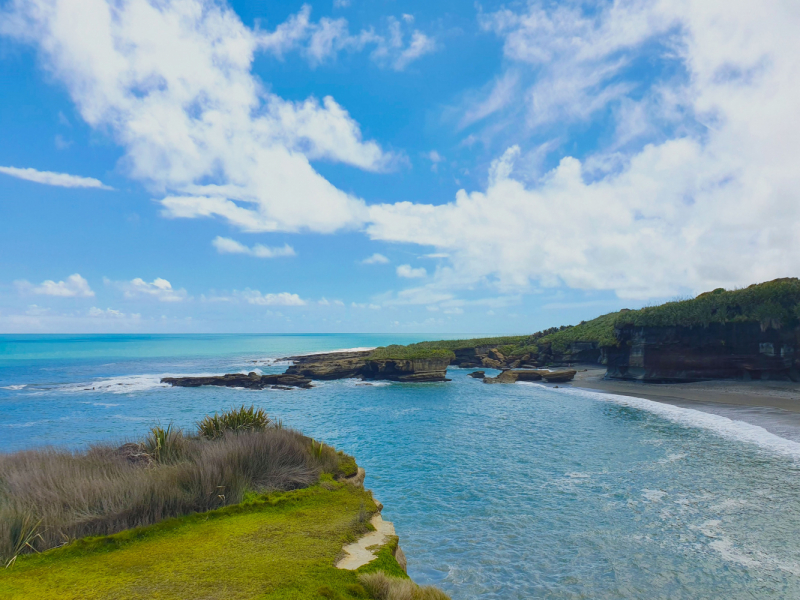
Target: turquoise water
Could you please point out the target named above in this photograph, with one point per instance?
(518, 491)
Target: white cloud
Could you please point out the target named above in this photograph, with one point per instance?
(110, 313)
(710, 201)
(281, 299)
(323, 41)
(159, 289)
(375, 259)
(57, 179)
(325, 302)
(370, 306)
(74, 286)
(341, 3)
(172, 82)
(229, 246)
(410, 273)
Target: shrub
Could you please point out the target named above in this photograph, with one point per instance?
(165, 445)
(382, 587)
(50, 497)
(234, 420)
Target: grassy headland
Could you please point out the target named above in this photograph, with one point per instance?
(242, 508)
(773, 303)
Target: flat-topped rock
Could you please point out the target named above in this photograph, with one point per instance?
(514, 375)
(249, 381)
(347, 365)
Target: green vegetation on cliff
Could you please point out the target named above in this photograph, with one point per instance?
(412, 352)
(275, 546)
(244, 509)
(774, 303)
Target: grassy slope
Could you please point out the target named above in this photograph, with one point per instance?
(279, 546)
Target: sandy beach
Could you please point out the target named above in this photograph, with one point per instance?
(773, 405)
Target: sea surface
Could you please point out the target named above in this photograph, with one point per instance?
(505, 491)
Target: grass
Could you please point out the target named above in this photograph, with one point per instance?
(412, 352)
(382, 587)
(277, 546)
(50, 497)
(235, 420)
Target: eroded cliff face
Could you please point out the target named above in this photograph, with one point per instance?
(344, 365)
(717, 351)
(424, 369)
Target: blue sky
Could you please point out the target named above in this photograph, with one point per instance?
(442, 167)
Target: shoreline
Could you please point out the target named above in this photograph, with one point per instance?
(773, 405)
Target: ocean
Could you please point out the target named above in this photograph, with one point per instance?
(505, 491)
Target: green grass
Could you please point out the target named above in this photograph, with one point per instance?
(412, 352)
(236, 420)
(774, 303)
(279, 546)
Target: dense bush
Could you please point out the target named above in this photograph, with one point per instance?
(50, 497)
(773, 304)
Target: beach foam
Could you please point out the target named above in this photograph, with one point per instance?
(723, 426)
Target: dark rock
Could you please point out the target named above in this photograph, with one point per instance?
(478, 374)
(334, 365)
(344, 365)
(417, 370)
(251, 381)
(504, 377)
(733, 350)
(558, 376)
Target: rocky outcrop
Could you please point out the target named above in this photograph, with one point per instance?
(514, 375)
(252, 381)
(734, 350)
(333, 365)
(417, 370)
(344, 365)
(478, 374)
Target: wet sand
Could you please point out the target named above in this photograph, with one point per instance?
(773, 405)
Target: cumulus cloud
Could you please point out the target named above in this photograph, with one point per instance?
(51, 178)
(229, 246)
(172, 82)
(375, 259)
(706, 198)
(280, 299)
(368, 305)
(74, 286)
(408, 272)
(159, 289)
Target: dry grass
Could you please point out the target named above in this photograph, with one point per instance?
(50, 497)
(382, 587)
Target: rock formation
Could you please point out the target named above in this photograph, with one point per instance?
(742, 350)
(250, 381)
(514, 375)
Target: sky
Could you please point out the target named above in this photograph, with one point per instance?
(388, 166)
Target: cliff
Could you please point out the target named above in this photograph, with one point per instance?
(369, 365)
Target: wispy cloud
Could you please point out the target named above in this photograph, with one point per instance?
(229, 246)
(74, 286)
(57, 179)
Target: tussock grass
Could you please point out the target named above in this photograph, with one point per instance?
(379, 586)
(50, 497)
(236, 419)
